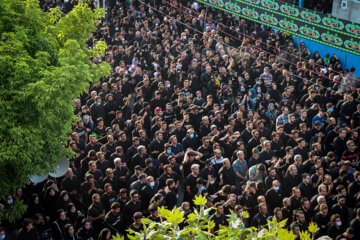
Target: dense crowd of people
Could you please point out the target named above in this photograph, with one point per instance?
(324, 6)
(188, 110)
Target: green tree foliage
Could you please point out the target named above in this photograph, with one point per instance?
(44, 64)
(199, 227)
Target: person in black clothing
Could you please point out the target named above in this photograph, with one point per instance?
(301, 148)
(88, 188)
(260, 219)
(305, 186)
(227, 174)
(295, 198)
(168, 173)
(58, 226)
(274, 195)
(291, 179)
(207, 170)
(139, 184)
(271, 178)
(70, 183)
(157, 145)
(86, 231)
(150, 169)
(102, 164)
(342, 210)
(154, 214)
(218, 217)
(98, 176)
(355, 223)
(349, 234)
(354, 191)
(131, 207)
(96, 213)
(148, 192)
(92, 145)
(137, 225)
(340, 143)
(190, 183)
(139, 158)
(322, 219)
(97, 109)
(109, 197)
(114, 219)
(336, 227)
(113, 181)
(171, 195)
(27, 232)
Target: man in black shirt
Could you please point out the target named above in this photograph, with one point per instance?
(108, 197)
(148, 192)
(218, 217)
(260, 219)
(154, 214)
(102, 164)
(96, 213)
(305, 186)
(355, 223)
(301, 148)
(139, 184)
(205, 149)
(354, 191)
(92, 145)
(227, 174)
(207, 170)
(70, 183)
(157, 145)
(274, 195)
(97, 109)
(121, 172)
(168, 173)
(150, 169)
(190, 183)
(131, 207)
(340, 143)
(113, 181)
(88, 188)
(171, 196)
(114, 219)
(139, 158)
(291, 179)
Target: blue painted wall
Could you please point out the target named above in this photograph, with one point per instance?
(347, 59)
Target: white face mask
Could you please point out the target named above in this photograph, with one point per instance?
(152, 184)
(10, 201)
(212, 182)
(338, 223)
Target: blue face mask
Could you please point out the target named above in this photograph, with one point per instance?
(99, 103)
(201, 187)
(276, 188)
(331, 110)
(168, 151)
(2, 236)
(191, 135)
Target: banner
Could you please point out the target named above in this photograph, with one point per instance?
(294, 20)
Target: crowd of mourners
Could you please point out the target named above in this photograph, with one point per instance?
(253, 123)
